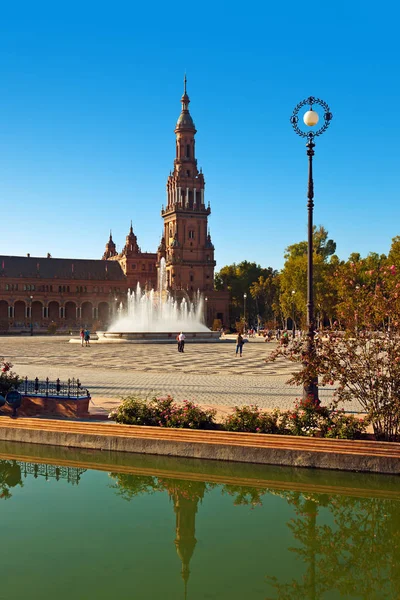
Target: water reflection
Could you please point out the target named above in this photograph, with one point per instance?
(356, 554)
(10, 477)
(12, 471)
(343, 543)
(349, 546)
(185, 496)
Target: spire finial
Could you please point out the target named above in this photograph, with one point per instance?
(184, 84)
(131, 229)
(110, 235)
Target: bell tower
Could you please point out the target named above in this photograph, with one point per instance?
(189, 252)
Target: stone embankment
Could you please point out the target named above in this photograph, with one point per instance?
(347, 455)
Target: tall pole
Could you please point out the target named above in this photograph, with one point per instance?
(311, 387)
(293, 328)
(244, 310)
(30, 314)
(310, 119)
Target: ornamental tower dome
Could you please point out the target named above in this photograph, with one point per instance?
(131, 246)
(111, 249)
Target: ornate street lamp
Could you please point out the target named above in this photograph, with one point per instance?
(293, 330)
(244, 310)
(310, 119)
(30, 314)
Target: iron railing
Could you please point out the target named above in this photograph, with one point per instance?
(72, 388)
(70, 474)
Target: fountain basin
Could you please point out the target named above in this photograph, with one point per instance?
(156, 337)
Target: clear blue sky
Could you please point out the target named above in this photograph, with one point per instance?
(90, 94)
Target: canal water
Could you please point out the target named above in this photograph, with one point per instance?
(87, 525)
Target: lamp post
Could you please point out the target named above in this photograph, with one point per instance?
(244, 310)
(310, 119)
(293, 330)
(30, 314)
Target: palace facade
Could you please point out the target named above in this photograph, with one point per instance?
(60, 294)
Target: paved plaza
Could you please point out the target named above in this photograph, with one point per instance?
(210, 374)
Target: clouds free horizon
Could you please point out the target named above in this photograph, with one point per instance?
(90, 98)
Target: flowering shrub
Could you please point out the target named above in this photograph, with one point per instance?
(251, 419)
(163, 412)
(305, 419)
(8, 379)
(309, 419)
(345, 427)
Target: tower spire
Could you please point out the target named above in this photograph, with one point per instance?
(184, 85)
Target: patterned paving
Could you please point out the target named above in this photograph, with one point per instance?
(209, 373)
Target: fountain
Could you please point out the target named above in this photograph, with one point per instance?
(155, 316)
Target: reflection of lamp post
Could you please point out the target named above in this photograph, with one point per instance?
(244, 310)
(30, 313)
(310, 119)
(293, 330)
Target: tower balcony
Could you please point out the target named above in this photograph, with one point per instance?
(181, 208)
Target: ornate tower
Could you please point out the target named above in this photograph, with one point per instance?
(110, 249)
(189, 252)
(131, 247)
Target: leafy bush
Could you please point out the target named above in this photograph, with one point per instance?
(8, 379)
(133, 411)
(345, 427)
(310, 419)
(163, 412)
(251, 419)
(306, 419)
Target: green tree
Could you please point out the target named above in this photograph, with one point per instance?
(293, 279)
(265, 292)
(238, 279)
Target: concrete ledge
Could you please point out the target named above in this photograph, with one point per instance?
(366, 456)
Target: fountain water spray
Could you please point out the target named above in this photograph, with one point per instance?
(158, 312)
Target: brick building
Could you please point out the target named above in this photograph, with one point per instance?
(38, 293)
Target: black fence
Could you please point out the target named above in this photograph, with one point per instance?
(72, 388)
(70, 474)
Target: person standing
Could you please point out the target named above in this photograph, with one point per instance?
(181, 342)
(82, 336)
(87, 337)
(239, 344)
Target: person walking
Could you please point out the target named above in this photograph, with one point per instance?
(82, 336)
(181, 342)
(87, 337)
(239, 344)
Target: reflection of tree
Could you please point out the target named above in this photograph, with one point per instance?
(10, 476)
(358, 556)
(243, 495)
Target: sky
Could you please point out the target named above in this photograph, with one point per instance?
(90, 94)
